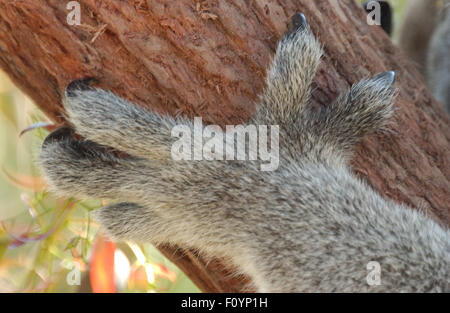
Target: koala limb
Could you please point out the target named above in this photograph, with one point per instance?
(86, 169)
(101, 116)
(309, 226)
(365, 108)
(290, 76)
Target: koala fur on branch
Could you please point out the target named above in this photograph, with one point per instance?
(309, 226)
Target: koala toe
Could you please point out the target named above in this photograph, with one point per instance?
(132, 221)
(120, 220)
(64, 139)
(83, 168)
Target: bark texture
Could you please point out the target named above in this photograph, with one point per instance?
(208, 58)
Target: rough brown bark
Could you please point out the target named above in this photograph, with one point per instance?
(208, 58)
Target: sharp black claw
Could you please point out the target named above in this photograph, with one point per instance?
(60, 133)
(388, 77)
(79, 84)
(298, 22)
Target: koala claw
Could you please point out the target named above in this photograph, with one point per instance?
(387, 77)
(298, 22)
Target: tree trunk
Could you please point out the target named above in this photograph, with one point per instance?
(208, 58)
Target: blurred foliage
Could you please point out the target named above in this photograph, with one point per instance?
(48, 244)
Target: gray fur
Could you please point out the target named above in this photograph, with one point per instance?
(438, 60)
(309, 226)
